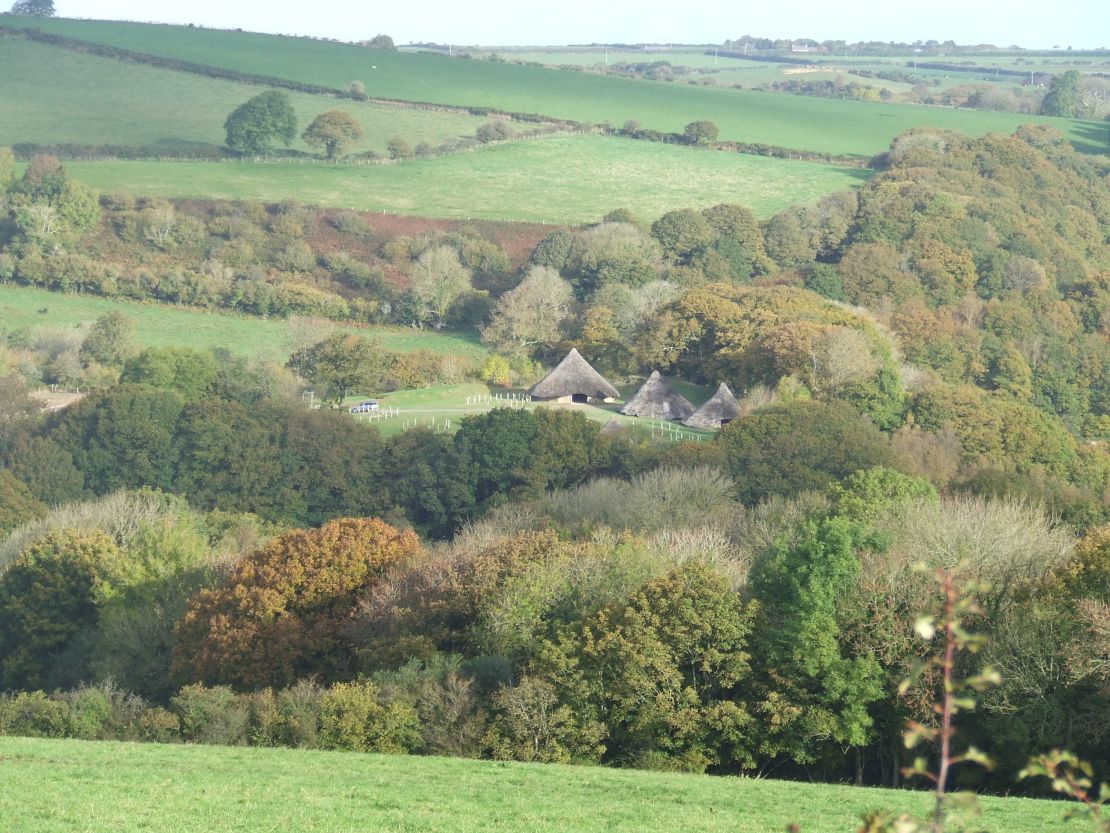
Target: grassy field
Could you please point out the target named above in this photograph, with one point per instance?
(441, 407)
(85, 99)
(824, 125)
(166, 326)
(573, 179)
(695, 58)
(63, 786)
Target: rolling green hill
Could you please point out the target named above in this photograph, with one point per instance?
(838, 127)
(572, 179)
(89, 100)
(54, 786)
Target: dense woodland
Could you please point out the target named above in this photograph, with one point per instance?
(193, 554)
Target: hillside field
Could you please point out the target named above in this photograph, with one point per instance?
(89, 100)
(158, 325)
(53, 786)
(837, 127)
(567, 179)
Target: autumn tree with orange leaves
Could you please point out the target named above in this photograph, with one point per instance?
(283, 611)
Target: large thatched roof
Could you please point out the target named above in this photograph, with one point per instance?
(656, 400)
(573, 376)
(722, 407)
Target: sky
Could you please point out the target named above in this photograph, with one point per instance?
(1029, 23)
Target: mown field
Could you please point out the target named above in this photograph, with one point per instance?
(839, 127)
(440, 408)
(85, 99)
(574, 179)
(166, 326)
(53, 786)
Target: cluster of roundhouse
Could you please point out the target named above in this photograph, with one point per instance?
(575, 380)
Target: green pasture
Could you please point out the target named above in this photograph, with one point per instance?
(57, 786)
(839, 127)
(72, 97)
(770, 73)
(572, 179)
(158, 325)
(694, 58)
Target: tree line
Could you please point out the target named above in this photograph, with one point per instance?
(769, 639)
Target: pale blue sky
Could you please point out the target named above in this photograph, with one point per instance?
(1029, 23)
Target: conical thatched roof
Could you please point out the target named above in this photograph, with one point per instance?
(656, 400)
(573, 376)
(614, 427)
(721, 408)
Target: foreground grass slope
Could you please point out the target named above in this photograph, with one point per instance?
(839, 127)
(89, 100)
(573, 179)
(157, 325)
(52, 786)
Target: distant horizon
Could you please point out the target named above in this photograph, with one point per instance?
(1081, 25)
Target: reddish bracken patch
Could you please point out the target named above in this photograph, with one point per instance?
(517, 239)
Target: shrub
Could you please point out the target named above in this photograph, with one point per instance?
(531, 725)
(298, 710)
(157, 725)
(447, 700)
(33, 714)
(212, 715)
(90, 713)
(352, 718)
(494, 131)
(398, 148)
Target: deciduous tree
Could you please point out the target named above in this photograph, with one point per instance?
(335, 131)
(253, 126)
(700, 132)
(281, 614)
(438, 280)
(33, 8)
(48, 597)
(109, 341)
(530, 315)
(339, 364)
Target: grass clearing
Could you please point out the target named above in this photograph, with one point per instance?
(838, 127)
(53, 786)
(85, 99)
(440, 408)
(158, 325)
(573, 179)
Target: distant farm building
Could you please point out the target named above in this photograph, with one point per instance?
(573, 380)
(656, 400)
(721, 409)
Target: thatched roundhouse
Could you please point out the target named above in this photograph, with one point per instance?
(656, 400)
(721, 409)
(573, 380)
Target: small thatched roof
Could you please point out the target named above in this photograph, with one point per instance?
(573, 376)
(656, 400)
(614, 427)
(721, 408)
